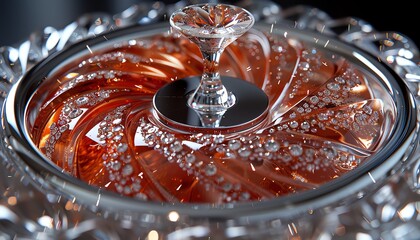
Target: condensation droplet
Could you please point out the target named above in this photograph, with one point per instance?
(293, 124)
(314, 99)
(74, 113)
(271, 145)
(322, 117)
(234, 144)
(300, 110)
(329, 152)
(295, 150)
(103, 94)
(277, 48)
(63, 128)
(227, 187)
(167, 138)
(305, 125)
(127, 190)
(367, 109)
(244, 152)
(141, 196)
(310, 153)
(66, 110)
(304, 66)
(219, 138)
(115, 165)
(82, 100)
(117, 128)
(190, 158)
(286, 157)
(244, 196)
(122, 147)
(117, 121)
(340, 80)
(333, 86)
(210, 169)
(136, 187)
(176, 146)
(127, 170)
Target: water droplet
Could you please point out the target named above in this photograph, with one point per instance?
(322, 117)
(109, 134)
(117, 121)
(167, 138)
(119, 188)
(220, 149)
(244, 152)
(340, 80)
(103, 94)
(136, 186)
(244, 196)
(277, 48)
(304, 66)
(329, 152)
(309, 153)
(82, 100)
(314, 99)
(122, 147)
(295, 150)
(219, 138)
(234, 144)
(115, 165)
(117, 128)
(293, 124)
(74, 113)
(176, 146)
(333, 86)
(356, 126)
(63, 128)
(326, 100)
(141, 196)
(127, 170)
(300, 110)
(367, 109)
(210, 169)
(271, 145)
(292, 115)
(305, 125)
(126, 158)
(127, 190)
(286, 158)
(190, 158)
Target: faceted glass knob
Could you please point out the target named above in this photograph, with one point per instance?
(212, 27)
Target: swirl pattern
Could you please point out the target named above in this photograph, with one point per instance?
(324, 120)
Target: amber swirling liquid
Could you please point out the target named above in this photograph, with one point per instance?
(96, 121)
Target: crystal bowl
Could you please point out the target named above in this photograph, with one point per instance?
(340, 137)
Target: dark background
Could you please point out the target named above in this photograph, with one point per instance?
(18, 18)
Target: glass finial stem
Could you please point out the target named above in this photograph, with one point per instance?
(211, 99)
(212, 27)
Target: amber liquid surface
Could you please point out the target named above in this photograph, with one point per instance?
(94, 118)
